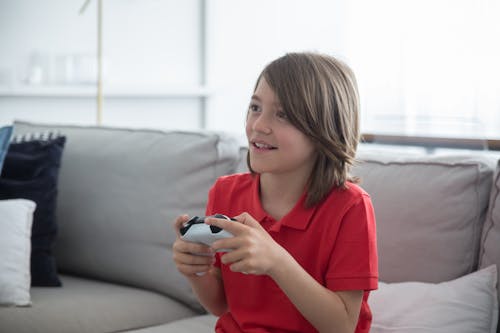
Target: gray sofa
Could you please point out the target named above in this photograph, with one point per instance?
(438, 220)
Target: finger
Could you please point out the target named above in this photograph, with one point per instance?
(230, 226)
(192, 259)
(226, 243)
(198, 270)
(234, 256)
(179, 221)
(192, 248)
(241, 267)
(248, 220)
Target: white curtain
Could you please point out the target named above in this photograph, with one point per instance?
(427, 67)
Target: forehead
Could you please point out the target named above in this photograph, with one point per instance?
(265, 94)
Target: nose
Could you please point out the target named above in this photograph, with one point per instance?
(262, 123)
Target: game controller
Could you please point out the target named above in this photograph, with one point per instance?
(195, 230)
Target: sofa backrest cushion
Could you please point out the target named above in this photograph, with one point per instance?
(119, 192)
(490, 252)
(31, 171)
(430, 211)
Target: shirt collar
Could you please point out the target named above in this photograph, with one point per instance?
(298, 218)
(259, 213)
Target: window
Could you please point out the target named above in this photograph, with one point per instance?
(427, 68)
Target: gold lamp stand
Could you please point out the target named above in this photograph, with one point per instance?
(99, 57)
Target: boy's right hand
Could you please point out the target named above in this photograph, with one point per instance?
(191, 259)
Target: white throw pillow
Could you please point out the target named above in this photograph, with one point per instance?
(16, 218)
(467, 304)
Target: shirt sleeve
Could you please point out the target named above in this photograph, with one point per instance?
(354, 262)
(210, 210)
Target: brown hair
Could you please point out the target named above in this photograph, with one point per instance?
(319, 96)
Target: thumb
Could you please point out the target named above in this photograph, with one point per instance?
(248, 220)
(179, 221)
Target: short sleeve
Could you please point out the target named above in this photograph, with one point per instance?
(353, 262)
(210, 210)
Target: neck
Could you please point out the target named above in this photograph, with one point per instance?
(279, 194)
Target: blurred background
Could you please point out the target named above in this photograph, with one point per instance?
(426, 68)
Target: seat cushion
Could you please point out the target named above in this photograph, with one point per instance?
(198, 324)
(91, 306)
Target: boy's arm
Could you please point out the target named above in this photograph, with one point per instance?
(210, 291)
(326, 310)
(257, 253)
(195, 262)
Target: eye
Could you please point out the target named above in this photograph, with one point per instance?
(254, 107)
(281, 114)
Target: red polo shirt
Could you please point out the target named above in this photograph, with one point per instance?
(334, 241)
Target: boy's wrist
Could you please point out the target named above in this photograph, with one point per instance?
(283, 262)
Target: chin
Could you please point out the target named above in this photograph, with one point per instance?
(257, 167)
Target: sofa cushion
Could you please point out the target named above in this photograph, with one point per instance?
(463, 305)
(491, 231)
(430, 212)
(16, 217)
(5, 134)
(31, 171)
(82, 306)
(120, 191)
(197, 324)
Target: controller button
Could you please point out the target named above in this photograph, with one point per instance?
(215, 229)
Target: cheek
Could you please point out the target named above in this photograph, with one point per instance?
(305, 148)
(248, 125)
(308, 152)
(248, 128)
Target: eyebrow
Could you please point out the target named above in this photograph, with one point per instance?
(275, 104)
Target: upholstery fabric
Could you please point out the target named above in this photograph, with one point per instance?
(16, 218)
(31, 170)
(464, 305)
(89, 306)
(198, 324)
(491, 231)
(430, 212)
(5, 134)
(120, 191)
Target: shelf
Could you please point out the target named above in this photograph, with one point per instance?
(88, 91)
(433, 142)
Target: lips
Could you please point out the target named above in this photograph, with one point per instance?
(261, 145)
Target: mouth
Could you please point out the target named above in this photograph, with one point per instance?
(262, 145)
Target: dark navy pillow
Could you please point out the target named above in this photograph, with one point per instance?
(5, 134)
(30, 171)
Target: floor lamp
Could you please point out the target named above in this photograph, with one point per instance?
(99, 57)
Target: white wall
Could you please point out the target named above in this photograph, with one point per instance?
(152, 62)
(168, 61)
(150, 45)
(243, 36)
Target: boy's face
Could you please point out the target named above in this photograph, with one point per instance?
(275, 145)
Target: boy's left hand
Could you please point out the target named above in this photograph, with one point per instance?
(254, 250)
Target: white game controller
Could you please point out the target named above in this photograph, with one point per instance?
(195, 230)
